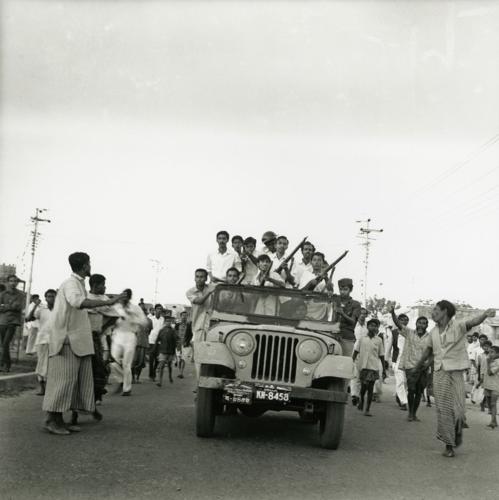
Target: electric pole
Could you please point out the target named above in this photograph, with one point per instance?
(364, 234)
(158, 267)
(34, 241)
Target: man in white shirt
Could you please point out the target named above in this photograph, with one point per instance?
(267, 304)
(359, 332)
(158, 322)
(70, 382)
(397, 349)
(311, 279)
(304, 264)
(278, 259)
(42, 313)
(131, 318)
(219, 262)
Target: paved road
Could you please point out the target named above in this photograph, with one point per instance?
(146, 448)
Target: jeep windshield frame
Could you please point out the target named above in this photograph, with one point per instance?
(269, 305)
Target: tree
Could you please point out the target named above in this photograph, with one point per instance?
(379, 305)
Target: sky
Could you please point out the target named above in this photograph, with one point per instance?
(146, 127)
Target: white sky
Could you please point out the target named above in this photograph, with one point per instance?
(145, 127)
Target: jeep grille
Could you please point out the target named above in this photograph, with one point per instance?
(274, 358)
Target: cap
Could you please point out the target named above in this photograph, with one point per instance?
(345, 282)
(268, 236)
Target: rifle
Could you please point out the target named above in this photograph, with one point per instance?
(325, 272)
(264, 277)
(290, 256)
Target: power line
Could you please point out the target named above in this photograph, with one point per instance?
(468, 204)
(452, 170)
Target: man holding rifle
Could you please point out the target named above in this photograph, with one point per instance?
(305, 264)
(280, 260)
(316, 280)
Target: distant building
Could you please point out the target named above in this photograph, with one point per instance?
(176, 309)
(7, 270)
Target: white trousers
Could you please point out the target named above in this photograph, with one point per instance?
(400, 383)
(355, 382)
(123, 352)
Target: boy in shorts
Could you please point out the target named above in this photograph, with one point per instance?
(166, 344)
(369, 351)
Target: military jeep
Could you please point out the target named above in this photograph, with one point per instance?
(273, 349)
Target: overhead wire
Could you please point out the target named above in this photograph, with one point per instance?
(452, 170)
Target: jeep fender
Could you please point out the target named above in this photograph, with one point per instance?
(335, 366)
(213, 353)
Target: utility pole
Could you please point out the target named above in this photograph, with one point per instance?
(158, 267)
(364, 234)
(34, 241)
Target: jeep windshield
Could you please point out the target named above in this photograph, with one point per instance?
(270, 302)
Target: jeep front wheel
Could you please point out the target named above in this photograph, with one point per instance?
(331, 421)
(205, 406)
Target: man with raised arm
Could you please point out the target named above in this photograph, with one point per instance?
(414, 346)
(447, 343)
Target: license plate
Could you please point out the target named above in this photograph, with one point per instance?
(238, 394)
(274, 393)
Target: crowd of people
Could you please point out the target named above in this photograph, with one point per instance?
(86, 341)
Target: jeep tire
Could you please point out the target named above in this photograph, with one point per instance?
(331, 421)
(205, 405)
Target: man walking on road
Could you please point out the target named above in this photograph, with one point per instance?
(414, 346)
(359, 332)
(397, 349)
(131, 319)
(447, 342)
(70, 384)
(370, 351)
(158, 321)
(12, 303)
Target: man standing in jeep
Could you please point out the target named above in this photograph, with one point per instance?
(348, 308)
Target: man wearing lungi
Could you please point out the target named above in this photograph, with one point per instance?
(447, 342)
(70, 384)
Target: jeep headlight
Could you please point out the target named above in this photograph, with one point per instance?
(242, 344)
(310, 351)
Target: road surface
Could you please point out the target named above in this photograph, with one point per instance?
(146, 448)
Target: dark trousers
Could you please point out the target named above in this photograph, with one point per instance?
(7, 333)
(99, 368)
(153, 360)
